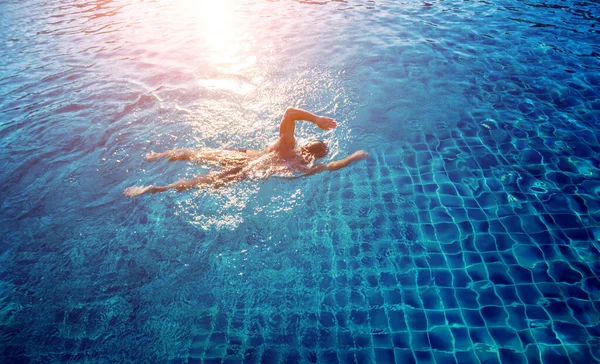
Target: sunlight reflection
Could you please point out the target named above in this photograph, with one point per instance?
(227, 44)
(216, 16)
(216, 23)
(225, 208)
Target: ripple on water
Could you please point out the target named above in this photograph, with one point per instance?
(483, 154)
(227, 85)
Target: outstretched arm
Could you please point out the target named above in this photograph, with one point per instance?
(339, 164)
(288, 123)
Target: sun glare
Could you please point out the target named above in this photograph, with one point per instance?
(215, 17)
(215, 24)
(226, 43)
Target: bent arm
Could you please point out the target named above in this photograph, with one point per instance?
(288, 123)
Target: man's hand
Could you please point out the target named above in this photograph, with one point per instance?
(359, 155)
(325, 123)
(355, 157)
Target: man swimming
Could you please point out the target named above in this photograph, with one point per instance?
(281, 157)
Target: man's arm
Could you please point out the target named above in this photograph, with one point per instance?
(288, 123)
(339, 164)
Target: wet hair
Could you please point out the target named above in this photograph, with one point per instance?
(314, 149)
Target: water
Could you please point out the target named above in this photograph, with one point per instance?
(470, 235)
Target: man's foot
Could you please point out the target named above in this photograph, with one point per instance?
(137, 190)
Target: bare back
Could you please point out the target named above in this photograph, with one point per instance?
(272, 163)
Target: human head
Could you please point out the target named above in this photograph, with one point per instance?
(314, 150)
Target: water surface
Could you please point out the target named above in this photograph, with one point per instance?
(470, 235)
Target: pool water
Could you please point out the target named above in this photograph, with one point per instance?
(470, 235)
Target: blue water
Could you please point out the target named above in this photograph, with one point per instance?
(470, 235)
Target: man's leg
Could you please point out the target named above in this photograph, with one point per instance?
(218, 157)
(174, 154)
(214, 179)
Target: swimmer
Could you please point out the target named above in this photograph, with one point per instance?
(281, 157)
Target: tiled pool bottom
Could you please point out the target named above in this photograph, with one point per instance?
(476, 245)
(452, 247)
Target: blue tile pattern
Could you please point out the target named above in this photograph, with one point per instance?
(486, 272)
